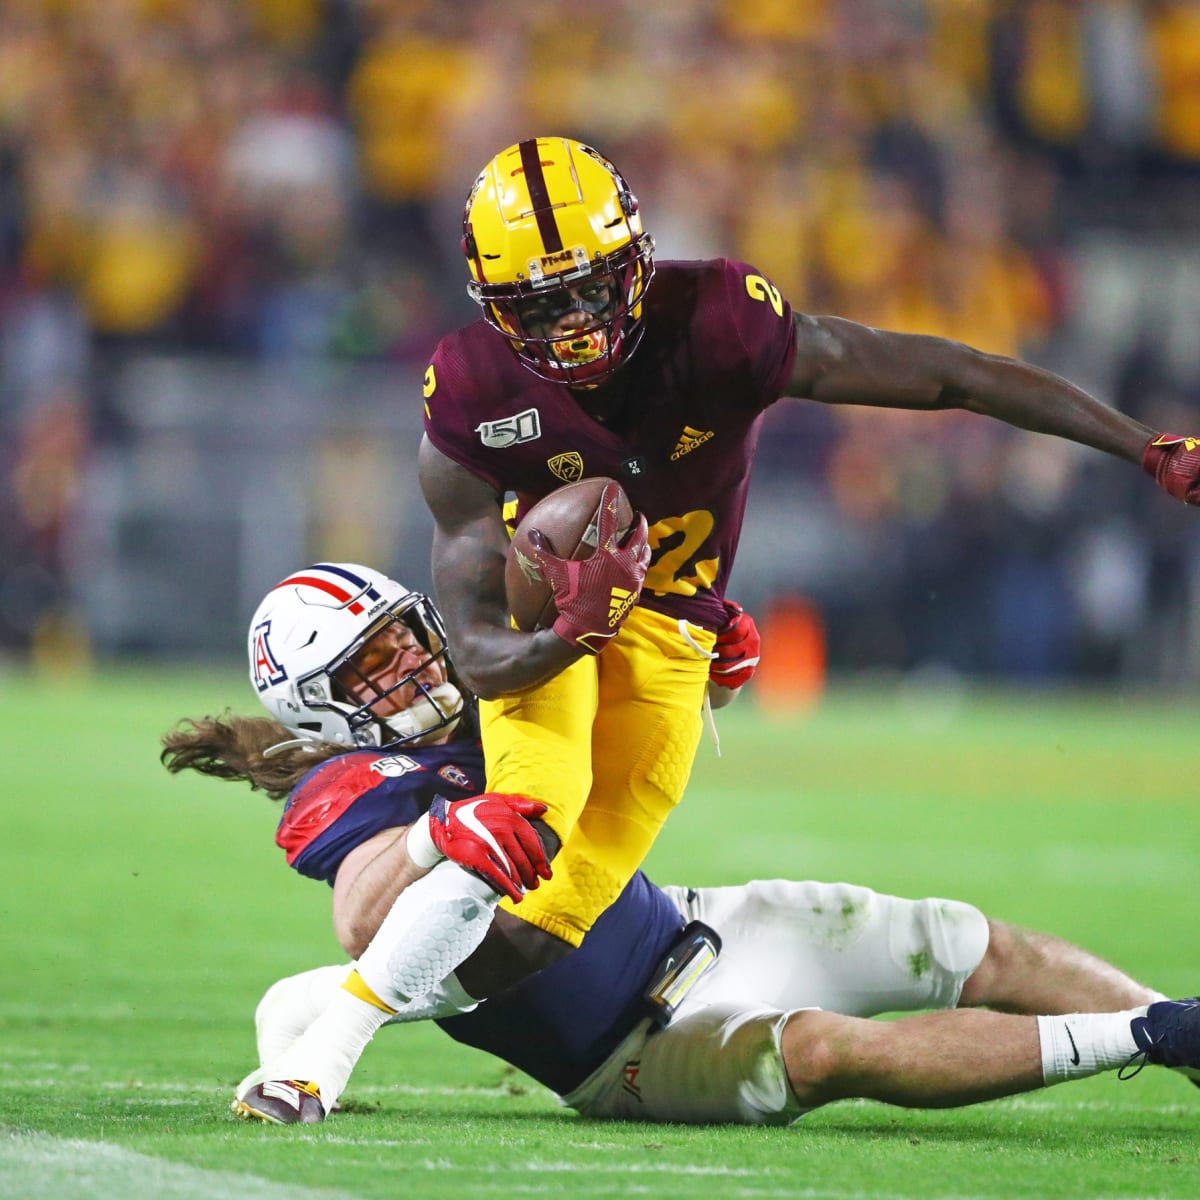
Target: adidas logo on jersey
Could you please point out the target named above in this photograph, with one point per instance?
(619, 603)
(689, 440)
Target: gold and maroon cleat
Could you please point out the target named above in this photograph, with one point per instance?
(281, 1102)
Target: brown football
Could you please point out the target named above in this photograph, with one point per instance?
(568, 517)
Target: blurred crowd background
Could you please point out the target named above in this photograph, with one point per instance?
(229, 241)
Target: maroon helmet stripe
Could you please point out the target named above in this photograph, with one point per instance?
(539, 196)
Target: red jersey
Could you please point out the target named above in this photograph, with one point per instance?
(717, 350)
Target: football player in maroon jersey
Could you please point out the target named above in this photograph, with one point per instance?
(592, 360)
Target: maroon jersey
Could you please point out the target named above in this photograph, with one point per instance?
(717, 350)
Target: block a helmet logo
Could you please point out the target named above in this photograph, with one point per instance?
(267, 670)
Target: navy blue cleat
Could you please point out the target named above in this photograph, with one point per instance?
(1167, 1036)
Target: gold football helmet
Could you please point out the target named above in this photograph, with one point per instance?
(550, 228)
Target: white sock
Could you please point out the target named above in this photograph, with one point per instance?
(291, 1005)
(327, 1052)
(432, 927)
(1076, 1045)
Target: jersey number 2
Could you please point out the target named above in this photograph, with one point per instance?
(665, 573)
(760, 289)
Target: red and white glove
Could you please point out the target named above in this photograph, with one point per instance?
(737, 648)
(490, 836)
(595, 595)
(1174, 462)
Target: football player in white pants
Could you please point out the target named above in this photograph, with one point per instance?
(778, 1024)
(646, 1018)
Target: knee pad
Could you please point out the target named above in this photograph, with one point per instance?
(290, 1005)
(432, 927)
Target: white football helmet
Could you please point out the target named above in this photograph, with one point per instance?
(312, 624)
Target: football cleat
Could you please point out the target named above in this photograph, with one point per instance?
(281, 1102)
(1167, 1036)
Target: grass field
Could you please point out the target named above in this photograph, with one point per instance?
(143, 915)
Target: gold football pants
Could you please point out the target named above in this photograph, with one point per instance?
(607, 745)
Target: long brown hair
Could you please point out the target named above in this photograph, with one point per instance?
(234, 748)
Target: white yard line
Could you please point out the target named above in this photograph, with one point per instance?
(34, 1165)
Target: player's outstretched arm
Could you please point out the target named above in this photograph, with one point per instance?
(469, 547)
(841, 362)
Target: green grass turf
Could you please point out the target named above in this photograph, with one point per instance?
(141, 916)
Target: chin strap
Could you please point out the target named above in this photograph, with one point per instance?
(300, 743)
(437, 712)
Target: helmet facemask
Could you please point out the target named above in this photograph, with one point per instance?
(582, 357)
(383, 704)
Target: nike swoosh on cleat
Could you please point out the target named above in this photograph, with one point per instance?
(1074, 1048)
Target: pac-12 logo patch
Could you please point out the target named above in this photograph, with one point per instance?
(457, 776)
(568, 467)
(511, 431)
(267, 671)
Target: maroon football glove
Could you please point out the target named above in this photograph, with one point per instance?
(491, 836)
(594, 596)
(1174, 462)
(737, 646)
